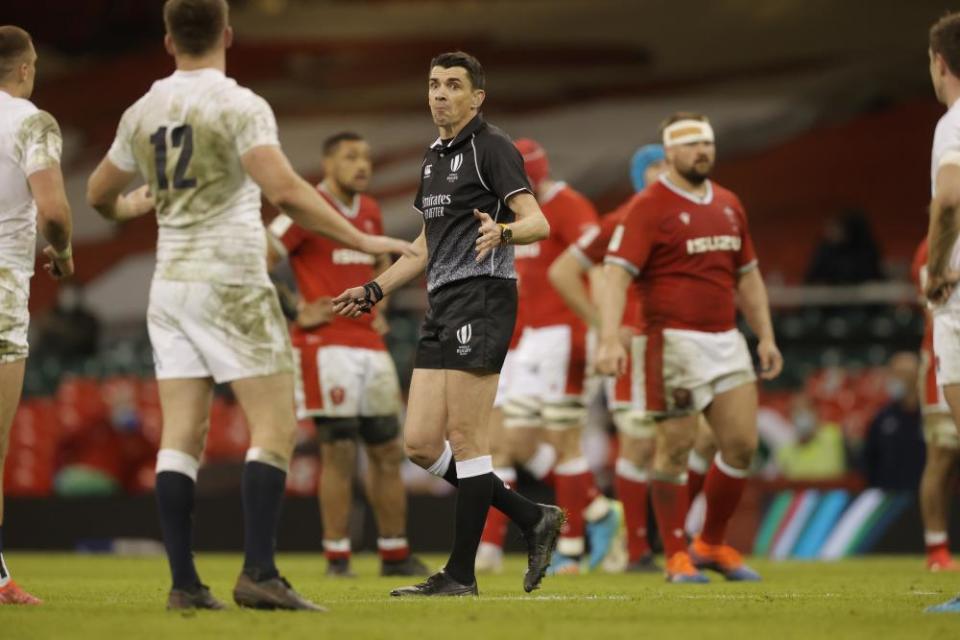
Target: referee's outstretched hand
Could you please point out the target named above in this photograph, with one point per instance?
(489, 233)
(350, 303)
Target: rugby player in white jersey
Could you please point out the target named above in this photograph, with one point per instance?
(206, 147)
(31, 194)
(943, 263)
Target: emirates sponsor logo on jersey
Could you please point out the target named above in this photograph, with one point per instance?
(464, 335)
(433, 206)
(713, 243)
(526, 251)
(351, 256)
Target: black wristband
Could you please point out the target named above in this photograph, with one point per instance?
(372, 294)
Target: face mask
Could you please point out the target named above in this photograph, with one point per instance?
(896, 389)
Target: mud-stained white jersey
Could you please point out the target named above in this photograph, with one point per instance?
(30, 141)
(185, 137)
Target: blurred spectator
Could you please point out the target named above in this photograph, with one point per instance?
(818, 453)
(894, 452)
(847, 253)
(70, 329)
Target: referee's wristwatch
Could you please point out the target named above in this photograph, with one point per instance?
(506, 234)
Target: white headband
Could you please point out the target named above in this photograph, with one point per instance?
(687, 132)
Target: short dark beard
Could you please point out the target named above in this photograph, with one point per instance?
(693, 176)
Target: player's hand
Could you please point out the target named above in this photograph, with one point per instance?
(136, 203)
(350, 303)
(940, 287)
(611, 358)
(58, 268)
(378, 245)
(380, 324)
(489, 233)
(771, 362)
(315, 313)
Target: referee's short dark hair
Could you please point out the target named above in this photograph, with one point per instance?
(14, 45)
(195, 25)
(330, 144)
(462, 59)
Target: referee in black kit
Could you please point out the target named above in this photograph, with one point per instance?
(475, 201)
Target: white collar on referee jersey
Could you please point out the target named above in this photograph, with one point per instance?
(552, 192)
(352, 211)
(706, 199)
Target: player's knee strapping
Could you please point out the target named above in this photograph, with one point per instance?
(635, 424)
(564, 415)
(333, 429)
(376, 430)
(522, 412)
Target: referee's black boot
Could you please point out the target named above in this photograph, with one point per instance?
(541, 543)
(439, 584)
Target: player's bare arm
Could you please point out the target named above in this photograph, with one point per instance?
(105, 193)
(53, 219)
(286, 190)
(380, 323)
(612, 355)
(566, 275)
(354, 301)
(531, 225)
(942, 235)
(753, 302)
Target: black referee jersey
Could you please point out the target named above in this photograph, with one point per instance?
(479, 169)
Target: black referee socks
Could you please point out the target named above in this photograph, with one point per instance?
(475, 491)
(262, 489)
(524, 513)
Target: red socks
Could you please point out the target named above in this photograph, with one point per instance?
(495, 529)
(576, 489)
(722, 489)
(669, 497)
(631, 486)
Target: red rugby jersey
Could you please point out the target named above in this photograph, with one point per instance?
(686, 254)
(591, 248)
(570, 215)
(325, 268)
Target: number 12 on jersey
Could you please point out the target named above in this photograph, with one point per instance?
(180, 137)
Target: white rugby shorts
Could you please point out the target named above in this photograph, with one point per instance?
(344, 382)
(220, 331)
(679, 372)
(946, 345)
(14, 314)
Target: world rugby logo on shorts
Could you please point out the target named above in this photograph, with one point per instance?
(455, 163)
(464, 334)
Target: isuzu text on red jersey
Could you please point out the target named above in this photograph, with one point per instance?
(570, 216)
(686, 254)
(325, 268)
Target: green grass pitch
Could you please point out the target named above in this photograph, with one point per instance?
(104, 597)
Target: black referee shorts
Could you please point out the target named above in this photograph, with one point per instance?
(468, 325)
